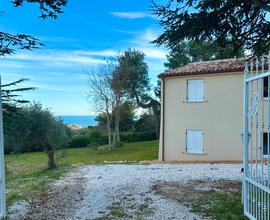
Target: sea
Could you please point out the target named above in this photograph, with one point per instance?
(83, 120)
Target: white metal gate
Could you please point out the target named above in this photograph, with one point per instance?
(256, 180)
(2, 162)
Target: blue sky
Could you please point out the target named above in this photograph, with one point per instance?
(79, 39)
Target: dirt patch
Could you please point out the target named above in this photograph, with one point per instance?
(188, 192)
(60, 200)
(128, 206)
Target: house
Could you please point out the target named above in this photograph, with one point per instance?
(202, 112)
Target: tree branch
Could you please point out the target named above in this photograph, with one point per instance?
(152, 103)
(10, 42)
(262, 4)
(48, 8)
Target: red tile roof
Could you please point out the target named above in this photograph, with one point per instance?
(207, 67)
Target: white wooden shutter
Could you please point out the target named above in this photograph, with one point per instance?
(195, 90)
(191, 90)
(194, 142)
(200, 90)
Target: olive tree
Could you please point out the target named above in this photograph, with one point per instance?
(42, 130)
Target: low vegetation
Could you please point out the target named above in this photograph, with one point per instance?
(96, 138)
(28, 174)
(220, 205)
(213, 199)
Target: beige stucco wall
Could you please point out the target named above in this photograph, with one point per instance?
(219, 117)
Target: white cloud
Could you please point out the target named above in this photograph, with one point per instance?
(125, 31)
(131, 15)
(58, 58)
(104, 53)
(143, 43)
(154, 53)
(11, 64)
(81, 58)
(148, 35)
(56, 39)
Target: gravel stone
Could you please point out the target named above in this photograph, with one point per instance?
(131, 186)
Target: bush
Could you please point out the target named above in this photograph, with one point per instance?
(33, 128)
(79, 141)
(93, 139)
(130, 137)
(97, 138)
(119, 144)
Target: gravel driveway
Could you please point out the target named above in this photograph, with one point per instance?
(120, 191)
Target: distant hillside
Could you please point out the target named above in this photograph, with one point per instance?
(76, 127)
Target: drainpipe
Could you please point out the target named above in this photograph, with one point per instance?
(163, 119)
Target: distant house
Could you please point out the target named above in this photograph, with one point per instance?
(201, 112)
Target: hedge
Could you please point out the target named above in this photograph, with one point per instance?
(130, 137)
(97, 138)
(80, 141)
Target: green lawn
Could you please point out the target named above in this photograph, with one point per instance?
(27, 173)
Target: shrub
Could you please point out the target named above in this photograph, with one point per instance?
(80, 141)
(119, 144)
(97, 138)
(34, 128)
(130, 137)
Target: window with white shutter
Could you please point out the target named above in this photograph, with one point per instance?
(195, 90)
(194, 141)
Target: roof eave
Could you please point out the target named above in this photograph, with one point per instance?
(170, 74)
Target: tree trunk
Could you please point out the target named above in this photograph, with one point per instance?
(116, 136)
(109, 134)
(108, 126)
(115, 129)
(117, 126)
(114, 139)
(51, 161)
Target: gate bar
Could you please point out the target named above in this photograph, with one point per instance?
(2, 162)
(261, 186)
(246, 136)
(256, 77)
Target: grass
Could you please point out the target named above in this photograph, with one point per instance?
(129, 152)
(27, 173)
(221, 206)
